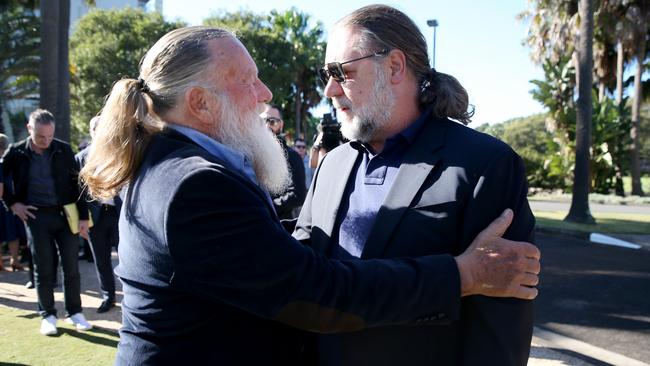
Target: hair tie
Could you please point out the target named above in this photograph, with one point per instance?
(142, 86)
(427, 83)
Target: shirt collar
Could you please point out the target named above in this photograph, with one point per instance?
(233, 158)
(407, 135)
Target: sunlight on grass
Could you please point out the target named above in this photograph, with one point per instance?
(607, 222)
(23, 344)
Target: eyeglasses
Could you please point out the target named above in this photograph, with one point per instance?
(272, 120)
(335, 69)
(300, 146)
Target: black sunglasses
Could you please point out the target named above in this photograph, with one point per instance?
(272, 120)
(335, 69)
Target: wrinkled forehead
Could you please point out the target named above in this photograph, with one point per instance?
(230, 59)
(342, 44)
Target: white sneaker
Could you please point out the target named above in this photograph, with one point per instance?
(48, 326)
(79, 321)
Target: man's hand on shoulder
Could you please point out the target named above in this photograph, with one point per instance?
(494, 266)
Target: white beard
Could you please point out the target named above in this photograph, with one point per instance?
(245, 132)
(373, 116)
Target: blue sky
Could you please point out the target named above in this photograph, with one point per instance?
(479, 42)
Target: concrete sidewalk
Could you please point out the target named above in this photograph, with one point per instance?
(544, 352)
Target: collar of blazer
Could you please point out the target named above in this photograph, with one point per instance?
(417, 163)
(170, 133)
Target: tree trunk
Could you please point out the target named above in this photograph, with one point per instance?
(579, 211)
(49, 70)
(63, 84)
(601, 91)
(618, 169)
(2, 122)
(619, 73)
(634, 126)
(297, 108)
(54, 75)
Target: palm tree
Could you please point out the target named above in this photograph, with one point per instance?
(54, 72)
(639, 11)
(579, 211)
(308, 52)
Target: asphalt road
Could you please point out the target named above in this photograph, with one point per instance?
(595, 293)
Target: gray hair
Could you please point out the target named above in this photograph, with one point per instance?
(178, 61)
(383, 27)
(40, 116)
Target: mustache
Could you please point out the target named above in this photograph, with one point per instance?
(338, 104)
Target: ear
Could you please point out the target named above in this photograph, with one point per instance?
(199, 104)
(397, 63)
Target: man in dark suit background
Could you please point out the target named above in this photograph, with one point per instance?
(294, 195)
(104, 234)
(208, 271)
(44, 176)
(411, 183)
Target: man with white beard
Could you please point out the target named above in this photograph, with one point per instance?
(210, 276)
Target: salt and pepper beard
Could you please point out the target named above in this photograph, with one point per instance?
(244, 131)
(373, 116)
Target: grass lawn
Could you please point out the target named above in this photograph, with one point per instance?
(606, 222)
(22, 344)
(645, 184)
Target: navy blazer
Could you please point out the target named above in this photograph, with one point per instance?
(452, 183)
(94, 206)
(206, 265)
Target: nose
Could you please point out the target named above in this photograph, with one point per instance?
(264, 94)
(332, 88)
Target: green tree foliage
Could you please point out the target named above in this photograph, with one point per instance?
(610, 126)
(529, 137)
(107, 45)
(287, 51)
(19, 59)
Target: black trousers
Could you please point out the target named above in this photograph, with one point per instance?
(48, 232)
(103, 236)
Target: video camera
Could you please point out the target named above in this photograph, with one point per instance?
(331, 132)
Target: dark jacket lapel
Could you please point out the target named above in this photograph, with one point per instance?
(170, 133)
(418, 162)
(334, 180)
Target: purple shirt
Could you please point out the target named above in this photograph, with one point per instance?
(368, 185)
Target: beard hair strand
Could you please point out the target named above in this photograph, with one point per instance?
(245, 132)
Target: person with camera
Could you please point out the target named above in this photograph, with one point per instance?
(293, 197)
(328, 137)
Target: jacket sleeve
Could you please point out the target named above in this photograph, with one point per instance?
(498, 329)
(227, 246)
(82, 204)
(295, 193)
(8, 163)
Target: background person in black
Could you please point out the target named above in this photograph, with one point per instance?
(295, 193)
(104, 234)
(44, 175)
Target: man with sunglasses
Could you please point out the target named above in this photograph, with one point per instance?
(412, 182)
(300, 146)
(292, 198)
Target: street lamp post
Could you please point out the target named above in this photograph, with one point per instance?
(433, 23)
